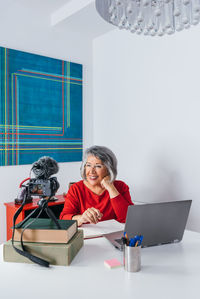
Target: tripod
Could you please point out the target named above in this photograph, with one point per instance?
(43, 206)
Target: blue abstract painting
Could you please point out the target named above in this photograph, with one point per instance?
(40, 108)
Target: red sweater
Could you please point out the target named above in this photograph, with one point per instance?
(79, 198)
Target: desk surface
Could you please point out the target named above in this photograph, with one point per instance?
(34, 203)
(168, 271)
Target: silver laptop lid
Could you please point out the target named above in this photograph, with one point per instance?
(159, 223)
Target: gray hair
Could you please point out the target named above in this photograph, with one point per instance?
(107, 157)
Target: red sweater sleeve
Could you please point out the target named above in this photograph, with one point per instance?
(121, 202)
(71, 206)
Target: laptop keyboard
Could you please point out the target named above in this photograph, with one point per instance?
(119, 241)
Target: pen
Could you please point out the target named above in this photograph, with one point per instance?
(126, 238)
(124, 241)
(140, 240)
(136, 241)
(132, 242)
(136, 244)
(125, 235)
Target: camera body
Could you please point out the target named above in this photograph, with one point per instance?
(43, 187)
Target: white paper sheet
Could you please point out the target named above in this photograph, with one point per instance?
(101, 228)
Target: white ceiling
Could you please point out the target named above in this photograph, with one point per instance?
(85, 21)
(78, 16)
(45, 6)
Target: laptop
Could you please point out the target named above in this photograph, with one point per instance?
(159, 223)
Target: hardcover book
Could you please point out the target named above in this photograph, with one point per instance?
(45, 230)
(55, 254)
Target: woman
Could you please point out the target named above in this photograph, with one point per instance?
(98, 196)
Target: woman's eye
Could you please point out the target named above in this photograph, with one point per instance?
(95, 166)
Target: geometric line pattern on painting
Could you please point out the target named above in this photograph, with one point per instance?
(41, 108)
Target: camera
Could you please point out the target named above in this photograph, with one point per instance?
(43, 185)
(43, 188)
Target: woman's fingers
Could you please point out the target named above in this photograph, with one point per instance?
(88, 216)
(106, 183)
(91, 215)
(98, 213)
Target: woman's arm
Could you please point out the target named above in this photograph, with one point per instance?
(72, 209)
(71, 206)
(119, 197)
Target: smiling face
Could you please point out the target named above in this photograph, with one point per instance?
(95, 171)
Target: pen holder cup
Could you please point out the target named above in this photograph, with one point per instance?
(132, 258)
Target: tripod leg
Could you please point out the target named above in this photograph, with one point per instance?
(29, 216)
(52, 216)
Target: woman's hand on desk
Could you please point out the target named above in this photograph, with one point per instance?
(91, 215)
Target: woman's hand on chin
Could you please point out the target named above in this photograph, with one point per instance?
(106, 183)
(109, 186)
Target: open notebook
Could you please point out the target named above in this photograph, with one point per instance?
(101, 228)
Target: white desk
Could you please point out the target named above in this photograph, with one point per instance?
(168, 271)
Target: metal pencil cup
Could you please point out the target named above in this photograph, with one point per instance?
(132, 258)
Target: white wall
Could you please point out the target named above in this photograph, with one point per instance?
(23, 29)
(146, 105)
(146, 109)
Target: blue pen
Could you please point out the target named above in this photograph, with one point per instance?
(132, 242)
(140, 241)
(136, 241)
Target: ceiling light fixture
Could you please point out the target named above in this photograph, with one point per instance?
(150, 17)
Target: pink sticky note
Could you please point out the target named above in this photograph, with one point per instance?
(113, 263)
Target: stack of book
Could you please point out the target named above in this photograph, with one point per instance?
(43, 239)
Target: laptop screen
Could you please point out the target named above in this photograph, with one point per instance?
(159, 223)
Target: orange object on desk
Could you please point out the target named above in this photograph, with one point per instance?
(11, 208)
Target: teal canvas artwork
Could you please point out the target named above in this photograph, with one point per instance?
(40, 108)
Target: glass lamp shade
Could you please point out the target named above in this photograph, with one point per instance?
(150, 17)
